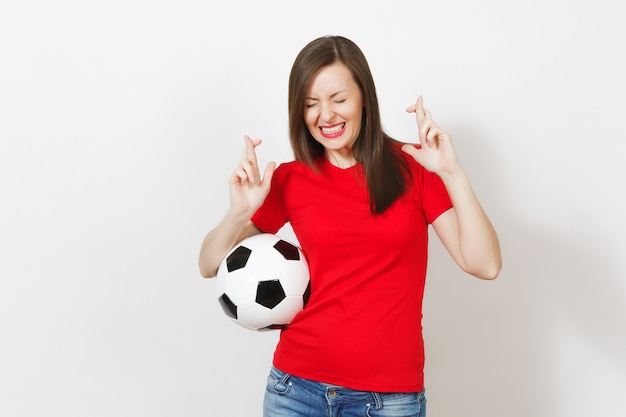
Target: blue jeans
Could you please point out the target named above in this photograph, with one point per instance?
(290, 396)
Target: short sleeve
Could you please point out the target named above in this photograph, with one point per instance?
(434, 195)
(272, 215)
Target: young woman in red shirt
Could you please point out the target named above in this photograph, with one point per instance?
(360, 204)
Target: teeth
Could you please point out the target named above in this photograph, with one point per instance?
(332, 130)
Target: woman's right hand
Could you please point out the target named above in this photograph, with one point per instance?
(247, 189)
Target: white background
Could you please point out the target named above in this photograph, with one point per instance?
(120, 122)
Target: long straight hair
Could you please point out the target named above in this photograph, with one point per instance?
(386, 170)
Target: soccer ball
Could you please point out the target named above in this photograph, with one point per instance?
(263, 282)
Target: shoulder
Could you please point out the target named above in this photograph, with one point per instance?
(409, 162)
(290, 169)
(291, 166)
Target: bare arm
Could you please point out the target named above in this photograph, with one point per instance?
(465, 229)
(467, 233)
(219, 241)
(247, 192)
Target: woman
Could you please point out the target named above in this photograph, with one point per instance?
(359, 203)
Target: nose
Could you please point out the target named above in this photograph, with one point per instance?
(326, 113)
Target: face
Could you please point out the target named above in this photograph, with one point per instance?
(333, 109)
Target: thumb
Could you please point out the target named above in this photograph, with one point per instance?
(268, 174)
(411, 149)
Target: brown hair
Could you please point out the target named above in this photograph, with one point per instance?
(386, 170)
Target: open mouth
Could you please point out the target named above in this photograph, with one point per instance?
(333, 131)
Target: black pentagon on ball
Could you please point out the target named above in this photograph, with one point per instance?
(273, 327)
(307, 294)
(238, 258)
(270, 293)
(289, 251)
(228, 306)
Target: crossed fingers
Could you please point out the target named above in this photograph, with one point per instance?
(248, 170)
(427, 128)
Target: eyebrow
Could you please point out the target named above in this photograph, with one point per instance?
(331, 96)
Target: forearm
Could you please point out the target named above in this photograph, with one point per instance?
(478, 244)
(219, 241)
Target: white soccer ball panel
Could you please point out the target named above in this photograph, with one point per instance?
(287, 309)
(264, 264)
(262, 240)
(240, 287)
(295, 277)
(219, 282)
(254, 315)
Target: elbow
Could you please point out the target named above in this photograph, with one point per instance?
(489, 273)
(489, 276)
(206, 272)
(208, 265)
(485, 269)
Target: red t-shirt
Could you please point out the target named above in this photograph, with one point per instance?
(361, 328)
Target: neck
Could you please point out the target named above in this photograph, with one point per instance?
(341, 160)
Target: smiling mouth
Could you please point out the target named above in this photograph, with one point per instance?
(332, 131)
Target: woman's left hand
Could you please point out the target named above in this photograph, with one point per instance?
(436, 152)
